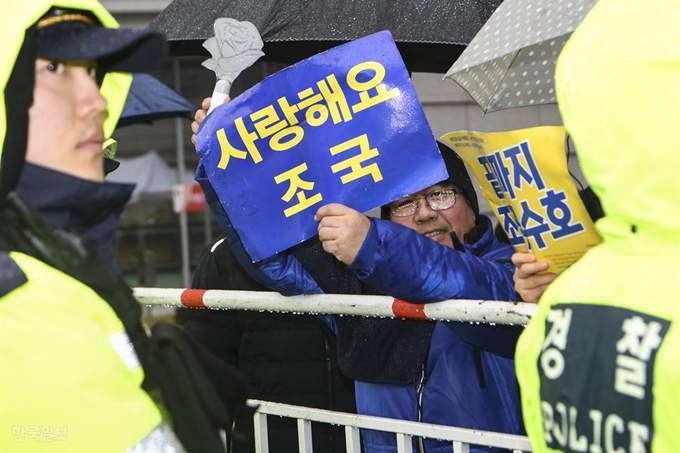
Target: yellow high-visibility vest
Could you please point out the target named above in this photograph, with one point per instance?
(599, 363)
(70, 379)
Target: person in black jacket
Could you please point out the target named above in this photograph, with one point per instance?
(286, 358)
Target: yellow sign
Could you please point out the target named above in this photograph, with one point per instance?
(524, 177)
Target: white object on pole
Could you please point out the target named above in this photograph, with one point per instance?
(477, 311)
(235, 46)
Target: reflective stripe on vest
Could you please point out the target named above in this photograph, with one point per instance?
(160, 440)
(123, 346)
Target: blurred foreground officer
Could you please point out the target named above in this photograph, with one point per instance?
(598, 364)
(78, 371)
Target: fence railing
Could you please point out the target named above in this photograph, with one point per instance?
(460, 438)
(473, 311)
(478, 311)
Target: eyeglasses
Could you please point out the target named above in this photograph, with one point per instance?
(437, 201)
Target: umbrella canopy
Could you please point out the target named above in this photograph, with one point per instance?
(511, 61)
(150, 99)
(429, 33)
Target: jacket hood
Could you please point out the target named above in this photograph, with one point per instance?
(458, 175)
(617, 89)
(17, 32)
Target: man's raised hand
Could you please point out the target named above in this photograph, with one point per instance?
(342, 231)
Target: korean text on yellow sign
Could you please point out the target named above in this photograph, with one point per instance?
(524, 176)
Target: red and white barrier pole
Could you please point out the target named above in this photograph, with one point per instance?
(479, 311)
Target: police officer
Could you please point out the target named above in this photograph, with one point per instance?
(78, 371)
(598, 363)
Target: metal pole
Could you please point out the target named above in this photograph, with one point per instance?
(183, 219)
(473, 311)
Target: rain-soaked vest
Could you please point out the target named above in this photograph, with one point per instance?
(598, 363)
(72, 338)
(90, 399)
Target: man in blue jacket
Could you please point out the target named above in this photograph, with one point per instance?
(428, 247)
(447, 251)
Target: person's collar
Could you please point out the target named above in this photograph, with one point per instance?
(88, 208)
(485, 239)
(477, 231)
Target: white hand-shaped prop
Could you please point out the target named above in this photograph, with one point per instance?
(236, 46)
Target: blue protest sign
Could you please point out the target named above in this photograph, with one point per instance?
(344, 126)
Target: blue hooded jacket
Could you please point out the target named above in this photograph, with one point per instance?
(461, 384)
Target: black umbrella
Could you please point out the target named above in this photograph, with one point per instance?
(150, 99)
(430, 34)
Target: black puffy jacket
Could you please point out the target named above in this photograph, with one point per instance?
(286, 358)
